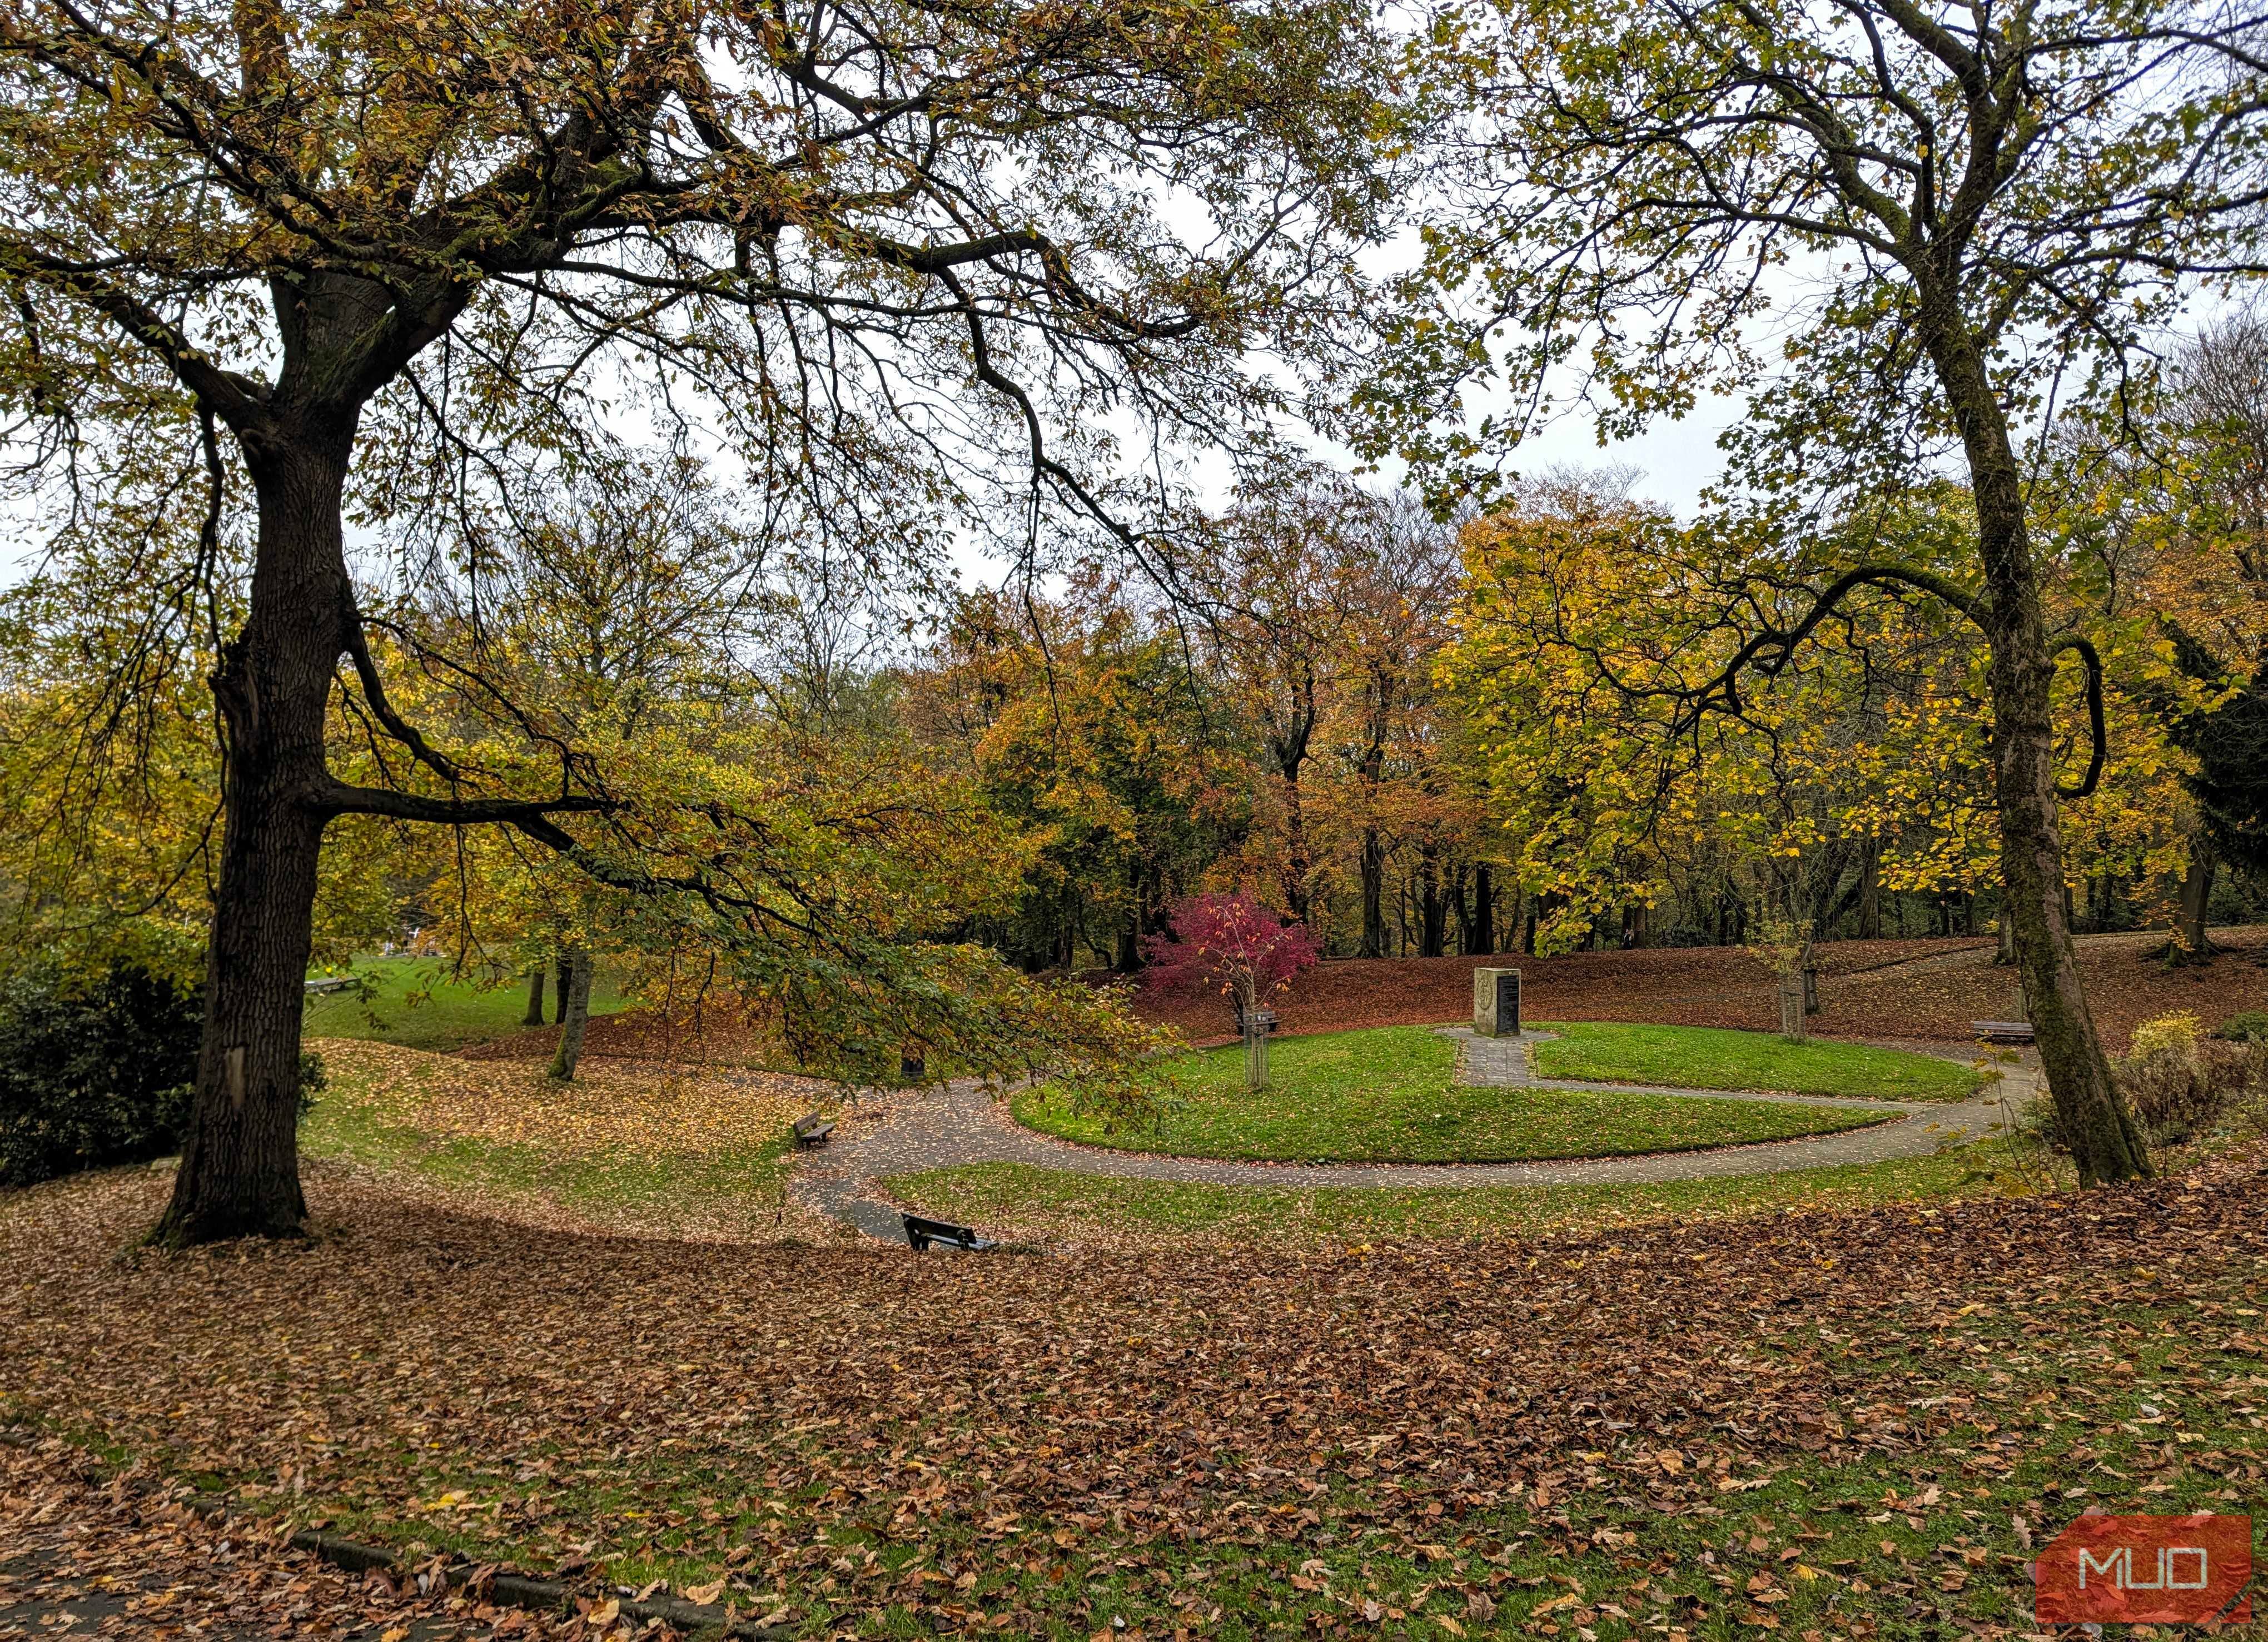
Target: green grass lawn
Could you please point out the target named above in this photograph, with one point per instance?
(1708, 1057)
(413, 1002)
(1388, 1095)
(1037, 1201)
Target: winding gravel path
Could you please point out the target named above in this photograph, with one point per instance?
(962, 1123)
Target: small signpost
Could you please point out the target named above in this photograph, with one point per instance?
(1496, 1003)
(1258, 1023)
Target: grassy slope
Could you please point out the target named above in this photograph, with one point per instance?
(360, 1119)
(1015, 1196)
(413, 1002)
(1709, 1058)
(1385, 1095)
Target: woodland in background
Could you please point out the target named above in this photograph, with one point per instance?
(1398, 730)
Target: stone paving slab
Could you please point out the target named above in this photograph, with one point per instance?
(965, 1123)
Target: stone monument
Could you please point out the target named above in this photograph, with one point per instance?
(1496, 1003)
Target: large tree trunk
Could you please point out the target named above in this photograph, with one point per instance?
(2105, 1141)
(534, 1017)
(240, 1173)
(574, 1014)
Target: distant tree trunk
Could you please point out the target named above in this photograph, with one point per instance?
(574, 1014)
(1484, 908)
(1636, 932)
(565, 984)
(1870, 892)
(535, 1015)
(1130, 935)
(1287, 742)
(2197, 896)
(1297, 867)
(1432, 907)
(1374, 894)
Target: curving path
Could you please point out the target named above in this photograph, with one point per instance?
(962, 1122)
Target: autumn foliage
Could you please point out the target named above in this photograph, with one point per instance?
(1232, 945)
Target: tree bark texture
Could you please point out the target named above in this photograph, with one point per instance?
(240, 1173)
(534, 1015)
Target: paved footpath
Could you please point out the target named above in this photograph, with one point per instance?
(964, 1122)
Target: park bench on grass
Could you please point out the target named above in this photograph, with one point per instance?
(2002, 1031)
(812, 1129)
(920, 1233)
(333, 983)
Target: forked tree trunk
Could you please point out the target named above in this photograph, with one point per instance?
(240, 1173)
(574, 1014)
(2106, 1144)
(562, 986)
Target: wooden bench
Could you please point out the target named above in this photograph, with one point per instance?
(920, 1233)
(812, 1129)
(2002, 1031)
(332, 983)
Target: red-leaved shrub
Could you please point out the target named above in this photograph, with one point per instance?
(1231, 945)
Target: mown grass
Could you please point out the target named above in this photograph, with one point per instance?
(1017, 1196)
(1712, 1057)
(1388, 1095)
(414, 1002)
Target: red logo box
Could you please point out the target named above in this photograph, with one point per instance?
(2112, 1570)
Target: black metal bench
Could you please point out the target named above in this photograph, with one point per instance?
(813, 1130)
(921, 1234)
(2002, 1031)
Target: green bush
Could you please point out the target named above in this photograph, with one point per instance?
(2250, 1025)
(98, 1071)
(92, 1072)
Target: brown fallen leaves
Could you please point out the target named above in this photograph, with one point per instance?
(535, 1396)
(124, 1555)
(1897, 988)
(654, 1107)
